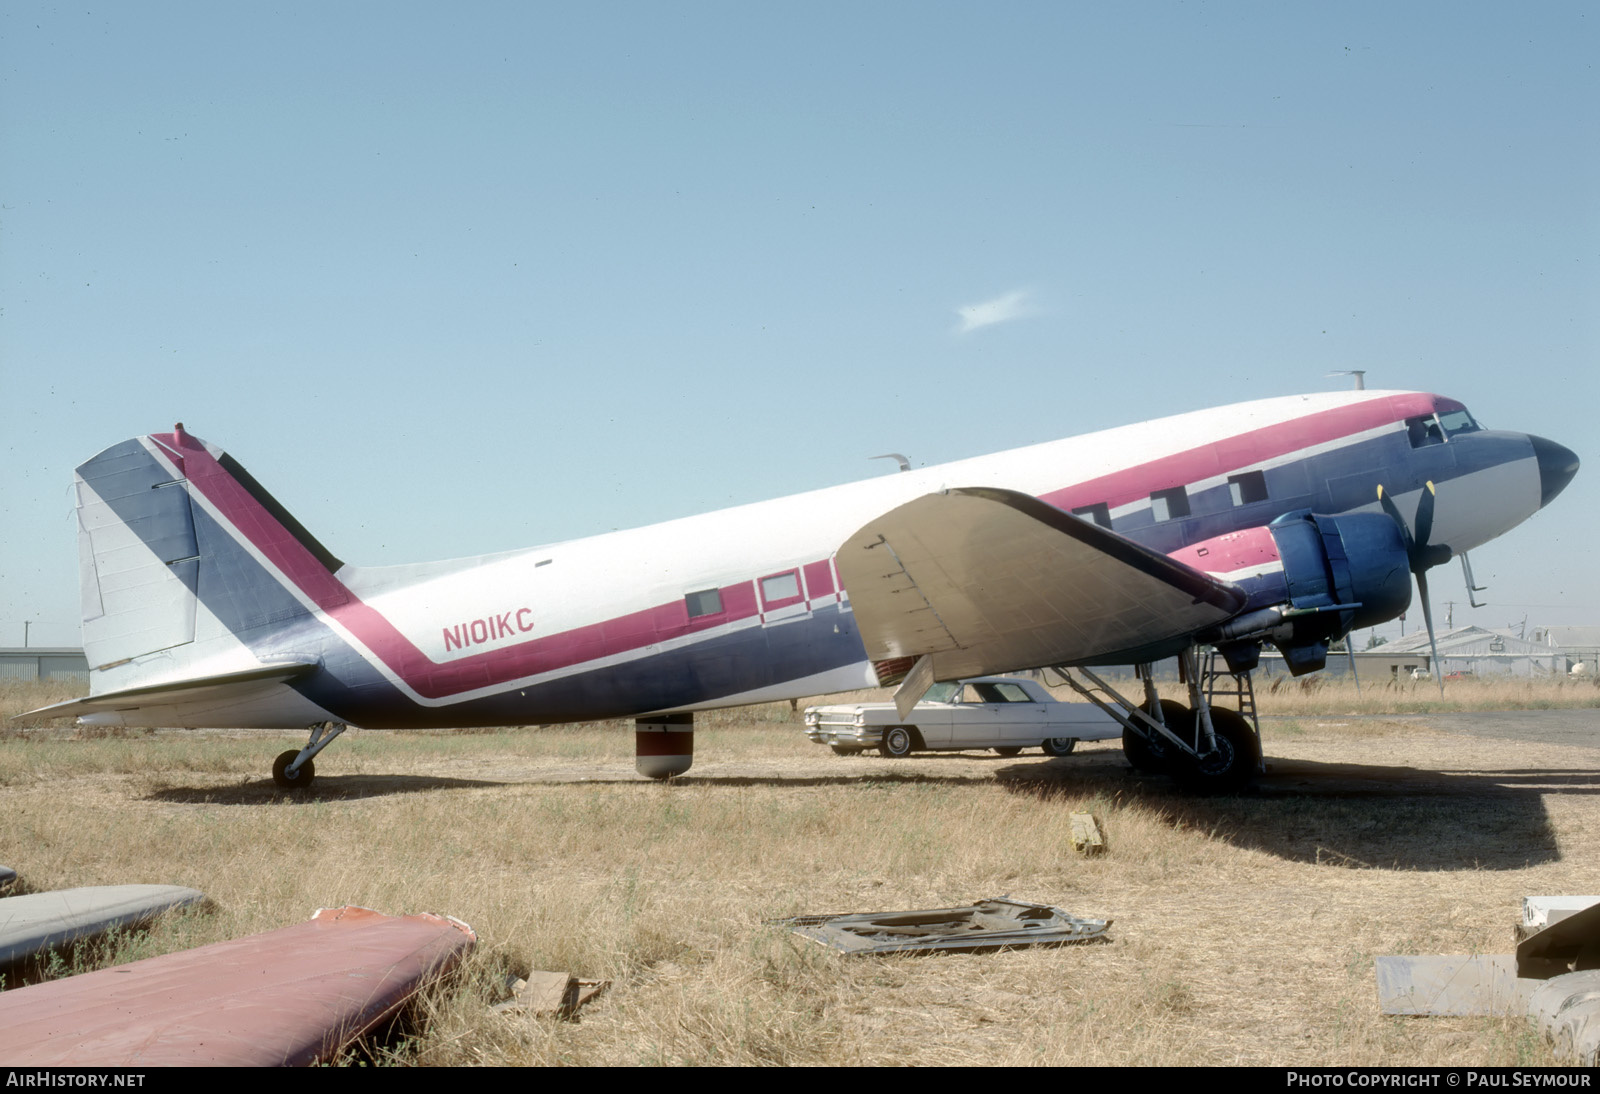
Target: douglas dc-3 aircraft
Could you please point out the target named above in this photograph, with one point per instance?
(1289, 521)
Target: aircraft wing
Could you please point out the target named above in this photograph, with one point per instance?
(198, 689)
(987, 580)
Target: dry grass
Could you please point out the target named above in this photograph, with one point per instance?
(1245, 927)
(1328, 695)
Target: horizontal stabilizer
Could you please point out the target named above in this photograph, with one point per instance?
(989, 580)
(193, 690)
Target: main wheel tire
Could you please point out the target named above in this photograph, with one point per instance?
(1150, 754)
(1009, 750)
(1231, 765)
(300, 779)
(898, 742)
(844, 750)
(1059, 746)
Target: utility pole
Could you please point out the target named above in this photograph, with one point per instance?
(25, 625)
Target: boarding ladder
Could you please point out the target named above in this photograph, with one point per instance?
(1237, 686)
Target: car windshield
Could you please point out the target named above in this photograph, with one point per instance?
(943, 693)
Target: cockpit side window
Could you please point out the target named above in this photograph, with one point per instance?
(1424, 431)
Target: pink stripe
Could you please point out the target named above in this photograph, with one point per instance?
(1228, 553)
(431, 679)
(1245, 450)
(664, 622)
(819, 579)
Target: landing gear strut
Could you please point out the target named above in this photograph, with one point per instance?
(1206, 747)
(294, 770)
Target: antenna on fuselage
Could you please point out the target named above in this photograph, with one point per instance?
(1359, 373)
(905, 464)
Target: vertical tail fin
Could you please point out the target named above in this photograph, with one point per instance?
(174, 538)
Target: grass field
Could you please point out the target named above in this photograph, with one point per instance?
(1245, 927)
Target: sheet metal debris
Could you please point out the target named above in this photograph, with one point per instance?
(1566, 1009)
(1539, 912)
(1570, 944)
(1553, 978)
(1460, 987)
(989, 924)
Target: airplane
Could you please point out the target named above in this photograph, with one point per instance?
(1287, 521)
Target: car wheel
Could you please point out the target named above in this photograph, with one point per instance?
(897, 742)
(1231, 765)
(1059, 746)
(1150, 753)
(1009, 750)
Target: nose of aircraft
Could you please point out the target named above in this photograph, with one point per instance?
(1557, 465)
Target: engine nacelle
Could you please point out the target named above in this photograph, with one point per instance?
(1310, 579)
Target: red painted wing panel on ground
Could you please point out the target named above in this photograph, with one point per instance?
(292, 996)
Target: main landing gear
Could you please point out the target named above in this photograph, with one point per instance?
(293, 770)
(1210, 748)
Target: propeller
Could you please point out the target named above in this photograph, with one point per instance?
(1421, 555)
(1350, 650)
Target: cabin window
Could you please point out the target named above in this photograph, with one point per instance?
(1099, 513)
(780, 587)
(707, 602)
(1247, 488)
(1169, 504)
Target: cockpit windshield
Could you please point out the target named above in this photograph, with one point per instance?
(1458, 421)
(1439, 428)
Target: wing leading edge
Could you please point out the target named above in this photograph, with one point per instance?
(986, 580)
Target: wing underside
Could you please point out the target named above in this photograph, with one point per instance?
(986, 580)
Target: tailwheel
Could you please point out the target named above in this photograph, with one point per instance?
(1228, 767)
(1150, 753)
(300, 779)
(322, 735)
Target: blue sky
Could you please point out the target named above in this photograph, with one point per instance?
(454, 280)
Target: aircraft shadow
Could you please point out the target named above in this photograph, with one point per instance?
(1344, 814)
(356, 787)
(326, 788)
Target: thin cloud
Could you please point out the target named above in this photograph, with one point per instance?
(1002, 309)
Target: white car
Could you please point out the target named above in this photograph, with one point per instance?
(1005, 713)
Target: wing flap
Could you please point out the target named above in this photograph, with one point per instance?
(987, 580)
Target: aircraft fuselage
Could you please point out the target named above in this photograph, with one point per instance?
(736, 606)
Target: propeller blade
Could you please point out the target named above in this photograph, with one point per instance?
(1351, 650)
(1392, 511)
(1425, 516)
(1419, 552)
(1427, 619)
